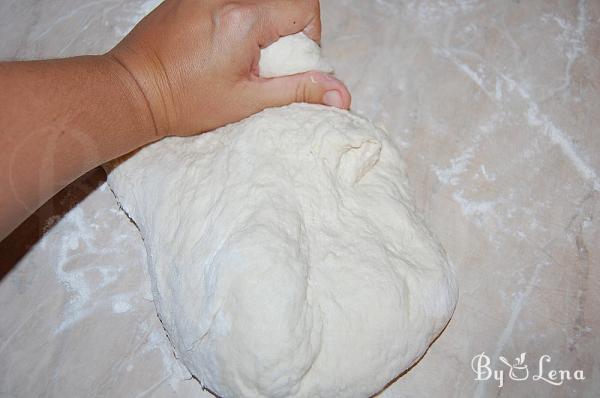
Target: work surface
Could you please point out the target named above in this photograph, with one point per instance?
(495, 108)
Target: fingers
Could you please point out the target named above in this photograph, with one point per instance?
(279, 18)
(310, 87)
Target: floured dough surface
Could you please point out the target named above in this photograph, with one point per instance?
(286, 257)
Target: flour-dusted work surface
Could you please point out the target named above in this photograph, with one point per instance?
(494, 107)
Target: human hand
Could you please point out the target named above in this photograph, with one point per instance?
(196, 62)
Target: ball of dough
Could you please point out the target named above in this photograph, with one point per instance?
(286, 256)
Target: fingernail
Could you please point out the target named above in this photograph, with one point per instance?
(332, 98)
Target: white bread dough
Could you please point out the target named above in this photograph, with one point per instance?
(286, 256)
(290, 55)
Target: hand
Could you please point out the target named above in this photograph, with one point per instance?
(196, 62)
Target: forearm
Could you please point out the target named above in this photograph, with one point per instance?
(59, 119)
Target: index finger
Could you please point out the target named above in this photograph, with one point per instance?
(279, 18)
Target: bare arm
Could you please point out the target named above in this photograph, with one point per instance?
(188, 67)
(59, 119)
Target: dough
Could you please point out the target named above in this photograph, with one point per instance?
(290, 55)
(286, 256)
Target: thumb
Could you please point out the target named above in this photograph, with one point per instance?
(311, 87)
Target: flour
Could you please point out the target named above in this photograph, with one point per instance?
(285, 253)
(80, 252)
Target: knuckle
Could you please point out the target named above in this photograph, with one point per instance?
(235, 15)
(300, 92)
(303, 92)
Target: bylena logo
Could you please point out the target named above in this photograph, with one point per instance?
(518, 370)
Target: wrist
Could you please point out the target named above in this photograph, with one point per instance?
(148, 90)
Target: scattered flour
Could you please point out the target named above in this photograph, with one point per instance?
(80, 254)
